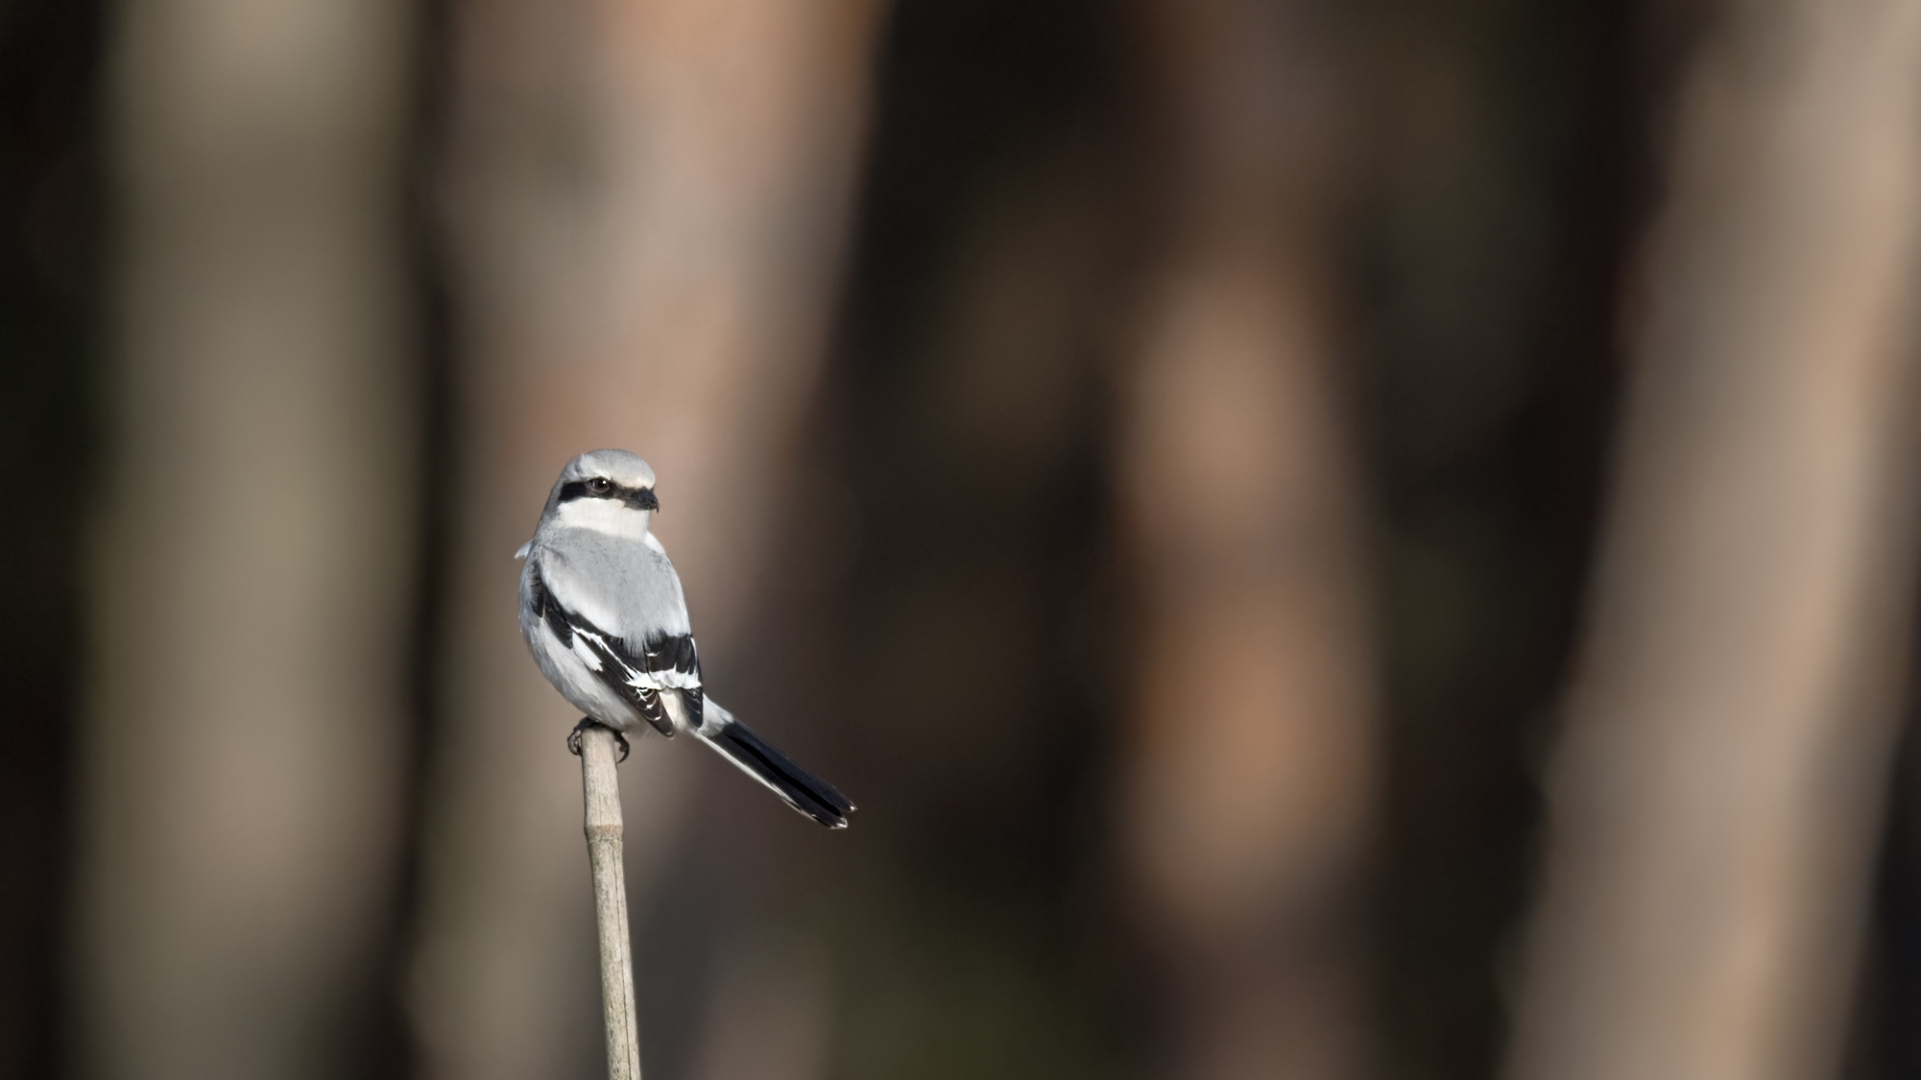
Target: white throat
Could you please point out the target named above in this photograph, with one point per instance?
(608, 516)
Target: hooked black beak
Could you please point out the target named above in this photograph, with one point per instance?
(647, 499)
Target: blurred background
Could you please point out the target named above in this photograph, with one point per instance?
(1328, 541)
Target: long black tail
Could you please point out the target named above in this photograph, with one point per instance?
(802, 790)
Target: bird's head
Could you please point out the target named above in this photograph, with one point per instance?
(609, 490)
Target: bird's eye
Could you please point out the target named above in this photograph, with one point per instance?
(600, 485)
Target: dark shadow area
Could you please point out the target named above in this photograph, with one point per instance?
(1885, 1042)
(388, 1048)
(1490, 262)
(51, 227)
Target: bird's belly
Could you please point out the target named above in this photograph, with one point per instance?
(582, 688)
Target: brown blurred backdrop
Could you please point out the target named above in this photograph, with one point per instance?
(1327, 541)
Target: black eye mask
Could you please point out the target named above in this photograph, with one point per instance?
(636, 498)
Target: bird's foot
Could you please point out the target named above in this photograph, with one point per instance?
(573, 738)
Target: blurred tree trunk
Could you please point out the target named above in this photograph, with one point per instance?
(252, 579)
(1716, 795)
(1253, 762)
(646, 204)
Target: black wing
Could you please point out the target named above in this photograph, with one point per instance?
(639, 679)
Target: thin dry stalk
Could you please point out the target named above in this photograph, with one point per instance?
(605, 833)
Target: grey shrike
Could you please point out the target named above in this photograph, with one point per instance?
(602, 611)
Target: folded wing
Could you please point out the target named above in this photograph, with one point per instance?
(662, 663)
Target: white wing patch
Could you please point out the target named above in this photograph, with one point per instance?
(590, 646)
(587, 655)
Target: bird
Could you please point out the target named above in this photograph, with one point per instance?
(602, 611)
